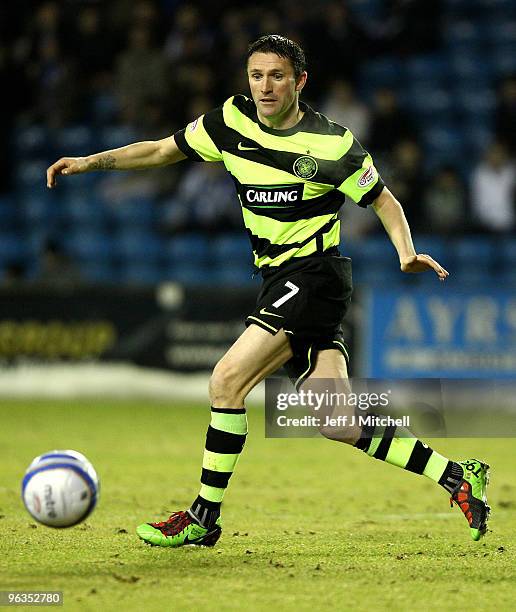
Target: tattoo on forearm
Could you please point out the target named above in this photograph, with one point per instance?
(106, 162)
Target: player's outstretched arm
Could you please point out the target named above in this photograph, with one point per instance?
(391, 215)
(136, 156)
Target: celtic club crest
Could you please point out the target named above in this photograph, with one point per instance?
(305, 167)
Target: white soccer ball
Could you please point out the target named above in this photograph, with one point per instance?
(60, 488)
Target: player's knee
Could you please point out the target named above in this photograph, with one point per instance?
(225, 384)
(346, 435)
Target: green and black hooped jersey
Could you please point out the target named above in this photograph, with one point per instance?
(291, 183)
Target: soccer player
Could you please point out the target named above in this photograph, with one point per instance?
(292, 169)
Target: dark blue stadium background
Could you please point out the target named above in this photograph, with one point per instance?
(429, 85)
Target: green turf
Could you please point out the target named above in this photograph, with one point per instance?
(308, 524)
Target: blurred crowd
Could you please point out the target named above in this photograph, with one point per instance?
(154, 65)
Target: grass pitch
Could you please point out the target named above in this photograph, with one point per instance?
(308, 524)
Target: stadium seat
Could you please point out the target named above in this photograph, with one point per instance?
(381, 273)
(499, 8)
(35, 237)
(445, 143)
(133, 212)
(428, 70)
(31, 174)
(374, 260)
(478, 249)
(425, 101)
(90, 245)
(500, 31)
(479, 102)
(477, 136)
(472, 258)
(231, 247)
(75, 140)
(235, 275)
(365, 10)
(136, 245)
(78, 184)
(438, 248)
(141, 273)
(40, 208)
(102, 272)
(462, 33)
(84, 210)
(115, 136)
(30, 141)
(465, 276)
(350, 248)
(503, 59)
(193, 274)
(104, 108)
(9, 213)
(506, 260)
(369, 250)
(13, 247)
(472, 68)
(433, 246)
(458, 6)
(185, 249)
(506, 250)
(383, 72)
(507, 278)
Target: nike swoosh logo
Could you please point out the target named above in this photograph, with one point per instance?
(241, 147)
(271, 314)
(187, 540)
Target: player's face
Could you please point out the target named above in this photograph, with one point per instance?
(273, 84)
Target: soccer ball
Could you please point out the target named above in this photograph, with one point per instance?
(60, 488)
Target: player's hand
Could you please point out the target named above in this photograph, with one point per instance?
(65, 166)
(423, 263)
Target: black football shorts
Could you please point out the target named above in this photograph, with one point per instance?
(307, 297)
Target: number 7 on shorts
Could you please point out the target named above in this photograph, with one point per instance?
(293, 290)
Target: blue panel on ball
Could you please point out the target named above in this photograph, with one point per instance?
(59, 456)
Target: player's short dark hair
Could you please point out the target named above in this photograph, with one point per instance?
(282, 46)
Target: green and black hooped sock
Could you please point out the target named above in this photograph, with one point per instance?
(224, 443)
(406, 451)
